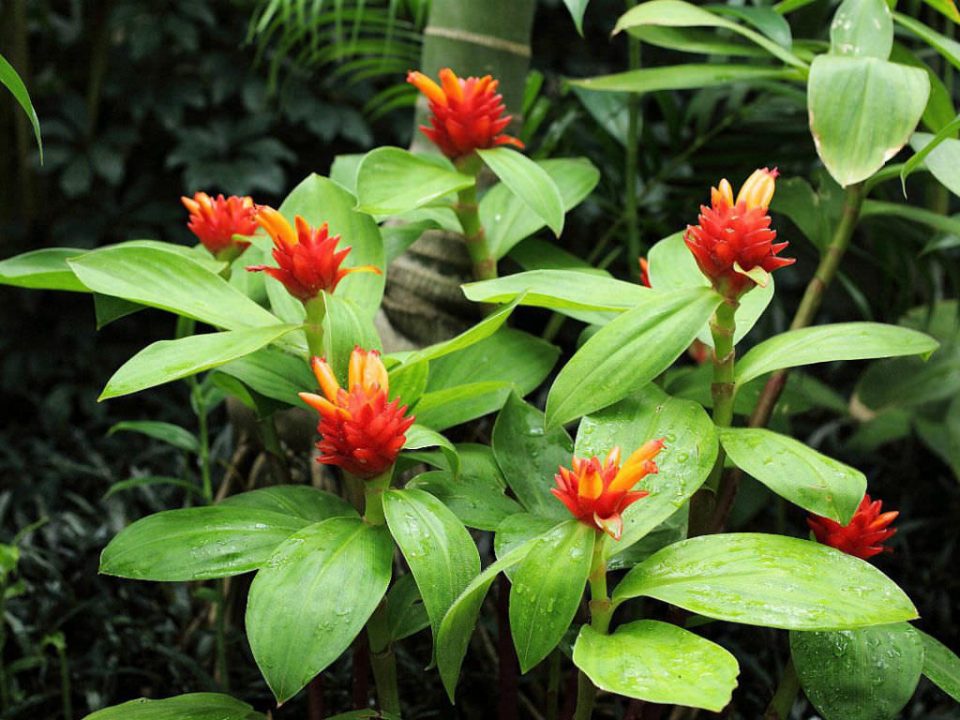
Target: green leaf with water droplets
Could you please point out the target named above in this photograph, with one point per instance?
(684, 463)
(301, 501)
(941, 665)
(796, 472)
(313, 597)
(865, 674)
(194, 706)
(769, 580)
(437, 547)
(659, 663)
(547, 588)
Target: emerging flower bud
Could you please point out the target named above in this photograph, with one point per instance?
(863, 537)
(645, 272)
(360, 430)
(308, 258)
(733, 243)
(597, 493)
(216, 221)
(466, 115)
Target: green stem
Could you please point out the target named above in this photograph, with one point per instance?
(468, 213)
(553, 686)
(313, 325)
(223, 670)
(630, 165)
(601, 612)
(373, 490)
(383, 661)
(65, 690)
(204, 452)
(783, 699)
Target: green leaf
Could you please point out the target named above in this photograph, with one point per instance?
(408, 382)
(197, 543)
(884, 102)
(862, 28)
(547, 588)
(507, 219)
(539, 254)
(168, 360)
(672, 267)
(682, 77)
(481, 331)
(299, 501)
(947, 47)
(313, 597)
(45, 269)
(439, 550)
(659, 663)
(941, 665)
(940, 154)
(392, 181)
(587, 297)
(796, 472)
(168, 281)
(922, 216)
(442, 409)
(769, 580)
(11, 80)
(167, 432)
(406, 614)
(529, 182)
(419, 437)
(828, 343)
(194, 706)
(629, 352)
(684, 463)
(675, 13)
(765, 19)
(529, 455)
(577, 8)
(147, 480)
(517, 529)
(346, 326)
(319, 200)
(865, 674)
(274, 374)
(460, 620)
(109, 309)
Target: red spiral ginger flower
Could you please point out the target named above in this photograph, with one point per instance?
(360, 430)
(597, 493)
(466, 114)
(216, 221)
(733, 243)
(308, 259)
(864, 536)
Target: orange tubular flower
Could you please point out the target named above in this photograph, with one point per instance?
(645, 272)
(308, 257)
(216, 221)
(734, 239)
(863, 537)
(466, 114)
(360, 430)
(597, 493)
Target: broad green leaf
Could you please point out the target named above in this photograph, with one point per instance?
(883, 103)
(197, 543)
(629, 352)
(409, 381)
(11, 80)
(684, 463)
(437, 547)
(481, 331)
(506, 218)
(828, 343)
(442, 409)
(147, 480)
(539, 254)
(169, 433)
(672, 267)
(796, 472)
(299, 501)
(941, 665)
(940, 153)
(865, 674)
(109, 309)
(312, 598)
(194, 706)
(319, 200)
(391, 181)
(346, 326)
(693, 40)
(919, 215)
(675, 13)
(517, 529)
(765, 19)
(587, 297)
(170, 282)
(419, 437)
(274, 374)
(683, 77)
(460, 620)
(577, 8)
(406, 614)
(862, 28)
(529, 182)
(45, 269)
(659, 663)
(547, 588)
(769, 580)
(947, 47)
(529, 455)
(168, 360)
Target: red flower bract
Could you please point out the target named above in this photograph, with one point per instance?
(216, 221)
(597, 493)
(466, 114)
(308, 259)
(734, 238)
(360, 430)
(863, 537)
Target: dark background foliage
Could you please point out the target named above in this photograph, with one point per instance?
(141, 102)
